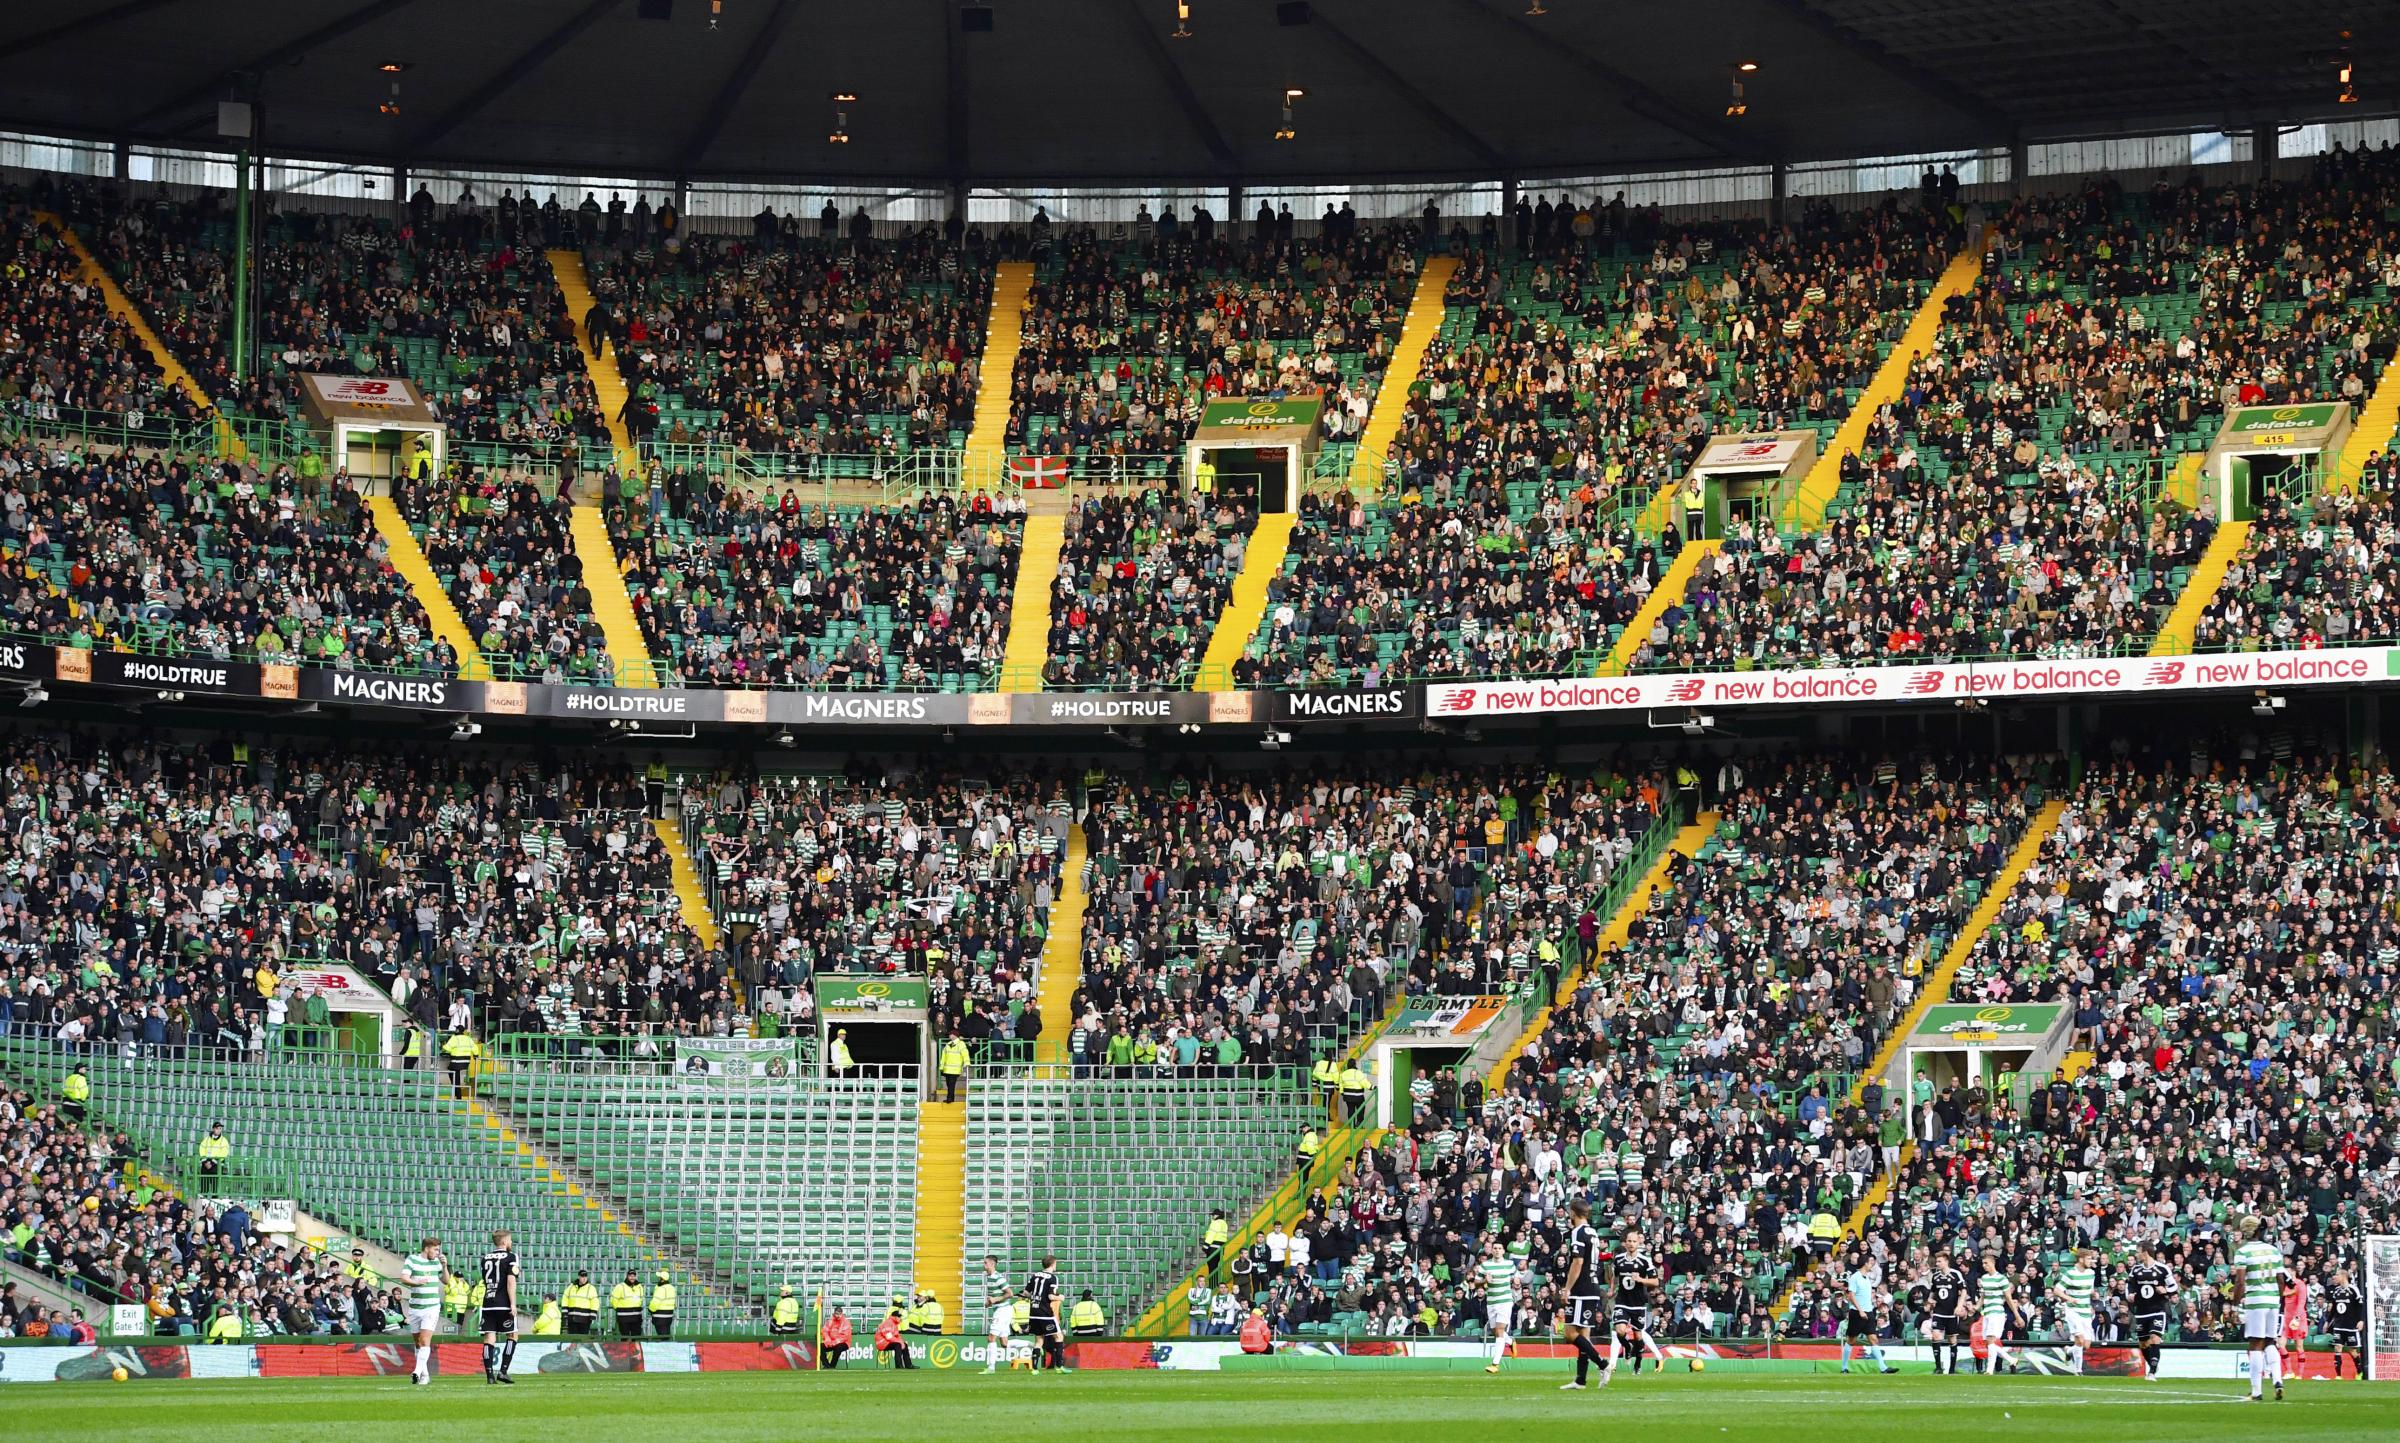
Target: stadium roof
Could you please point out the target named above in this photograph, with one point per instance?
(1098, 90)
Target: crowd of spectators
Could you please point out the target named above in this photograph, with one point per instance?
(1447, 583)
(1264, 916)
(161, 895)
(742, 589)
(445, 300)
(2318, 573)
(2218, 919)
(1124, 343)
(928, 871)
(222, 559)
(500, 546)
(75, 1210)
(796, 344)
(1142, 579)
(1692, 1085)
(65, 360)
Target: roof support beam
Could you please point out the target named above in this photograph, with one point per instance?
(1203, 125)
(1944, 88)
(514, 71)
(282, 55)
(68, 29)
(736, 85)
(954, 103)
(1725, 140)
(1424, 104)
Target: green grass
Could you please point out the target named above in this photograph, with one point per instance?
(955, 1407)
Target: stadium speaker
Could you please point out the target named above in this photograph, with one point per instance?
(1292, 12)
(655, 9)
(975, 19)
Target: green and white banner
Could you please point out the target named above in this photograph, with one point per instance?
(2026, 1022)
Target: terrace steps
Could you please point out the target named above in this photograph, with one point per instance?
(1935, 992)
(1671, 588)
(1062, 951)
(1246, 606)
(1003, 337)
(122, 307)
(1687, 842)
(942, 1207)
(1424, 322)
(1815, 493)
(2175, 636)
(408, 559)
(2370, 431)
(1028, 646)
(603, 574)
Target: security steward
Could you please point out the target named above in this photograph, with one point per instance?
(927, 1315)
(579, 1306)
(1327, 1075)
(547, 1323)
(1212, 1243)
(662, 1306)
(786, 1321)
(454, 1301)
(625, 1300)
(1355, 1084)
(75, 1095)
(1305, 1155)
(215, 1149)
(953, 1065)
(1085, 1320)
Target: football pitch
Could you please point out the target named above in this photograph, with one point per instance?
(933, 1407)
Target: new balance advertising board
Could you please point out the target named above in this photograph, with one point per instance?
(1935, 682)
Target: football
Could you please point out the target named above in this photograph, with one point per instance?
(118, 1373)
(1697, 1365)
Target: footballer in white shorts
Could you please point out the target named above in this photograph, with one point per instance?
(2079, 1329)
(2266, 1323)
(424, 1320)
(1500, 1319)
(1004, 1319)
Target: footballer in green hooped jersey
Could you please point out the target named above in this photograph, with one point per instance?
(2263, 1272)
(1991, 1292)
(424, 1271)
(2073, 1288)
(1499, 1299)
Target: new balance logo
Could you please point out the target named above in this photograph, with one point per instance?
(1458, 701)
(1922, 683)
(1685, 689)
(2163, 673)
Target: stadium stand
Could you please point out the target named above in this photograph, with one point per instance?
(76, 1212)
(1691, 1084)
(744, 589)
(1141, 580)
(1116, 1175)
(807, 1183)
(1123, 340)
(485, 893)
(922, 870)
(2218, 919)
(2315, 571)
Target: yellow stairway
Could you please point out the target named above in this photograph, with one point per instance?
(612, 605)
(1806, 509)
(1003, 337)
(122, 307)
(1247, 605)
(408, 558)
(691, 899)
(1425, 309)
(1671, 587)
(1029, 604)
(607, 382)
(2183, 622)
(1062, 952)
(603, 575)
(1686, 842)
(942, 1207)
(1936, 991)
(2371, 429)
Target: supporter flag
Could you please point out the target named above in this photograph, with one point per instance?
(1038, 473)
